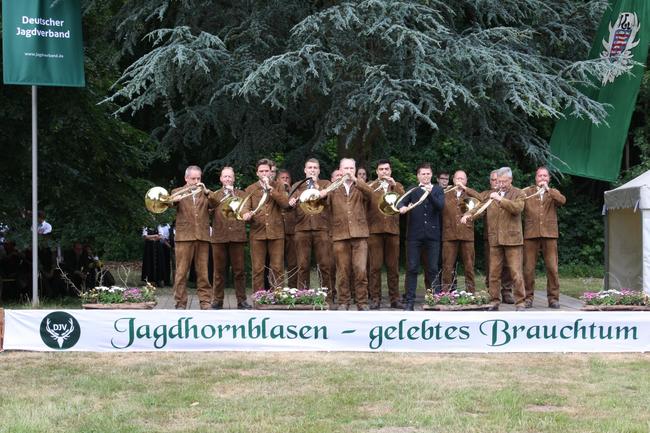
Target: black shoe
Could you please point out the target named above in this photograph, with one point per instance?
(554, 305)
(507, 298)
(217, 306)
(409, 307)
(243, 305)
(529, 303)
(397, 304)
(375, 305)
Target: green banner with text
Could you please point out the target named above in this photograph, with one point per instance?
(581, 147)
(42, 43)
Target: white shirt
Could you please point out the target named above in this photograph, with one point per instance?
(44, 228)
(163, 230)
(347, 187)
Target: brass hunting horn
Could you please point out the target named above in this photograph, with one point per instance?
(310, 200)
(158, 200)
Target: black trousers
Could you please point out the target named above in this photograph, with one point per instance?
(413, 253)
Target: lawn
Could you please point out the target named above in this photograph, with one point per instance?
(323, 392)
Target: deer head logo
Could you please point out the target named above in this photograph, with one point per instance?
(59, 330)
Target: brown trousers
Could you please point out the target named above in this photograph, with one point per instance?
(506, 280)
(351, 261)
(450, 251)
(383, 249)
(291, 260)
(221, 254)
(548, 246)
(511, 257)
(331, 292)
(319, 242)
(185, 252)
(275, 250)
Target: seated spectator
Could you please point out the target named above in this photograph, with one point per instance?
(96, 274)
(15, 272)
(75, 266)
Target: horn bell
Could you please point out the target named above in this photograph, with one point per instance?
(154, 199)
(311, 202)
(388, 203)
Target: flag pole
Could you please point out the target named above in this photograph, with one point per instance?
(34, 196)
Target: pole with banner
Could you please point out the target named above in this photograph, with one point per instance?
(42, 45)
(580, 147)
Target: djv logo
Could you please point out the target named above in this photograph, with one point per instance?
(59, 330)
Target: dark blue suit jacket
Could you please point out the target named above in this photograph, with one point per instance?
(424, 221)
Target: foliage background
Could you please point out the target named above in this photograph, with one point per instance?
(472, 84)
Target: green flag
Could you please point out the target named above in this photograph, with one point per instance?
(580, 147)
(42, 43)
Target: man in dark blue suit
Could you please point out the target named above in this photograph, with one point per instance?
(423, 231)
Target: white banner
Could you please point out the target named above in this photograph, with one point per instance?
(173, 330)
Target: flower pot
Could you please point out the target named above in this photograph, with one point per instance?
(301, 307)
(615, 308)
(484, 307)
(122, 306)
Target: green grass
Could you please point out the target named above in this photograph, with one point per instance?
(324, 392)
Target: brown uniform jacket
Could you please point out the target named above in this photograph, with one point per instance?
(288, 216)
(225, 230)
(377, 221)
(267, 222)
(306, 222)
(540, 213)
(348, 213)
(452, 229)
(192, 219)
(504, 228)
(485, 195)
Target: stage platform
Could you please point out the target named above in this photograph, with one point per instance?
(166, 301)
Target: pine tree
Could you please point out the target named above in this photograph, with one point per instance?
(242, 79)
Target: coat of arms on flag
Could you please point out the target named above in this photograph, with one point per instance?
(622, 38)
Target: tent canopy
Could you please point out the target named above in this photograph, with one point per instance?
(627, 235)
(635, 194)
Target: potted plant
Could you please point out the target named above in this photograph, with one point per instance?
(615, 300)
(286, 298)
(457, 300)
(116, 297)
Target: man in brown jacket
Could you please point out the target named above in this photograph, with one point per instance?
(267, 226)
(312, 231)
(289, 219)
(541, 233)
(349, 229)
(506, 281)
(192, 241)
(383, 242)
(456, 236)
(331, 293)
(505, 238)
(228, 242)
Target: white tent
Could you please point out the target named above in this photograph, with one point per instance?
(627, 235)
